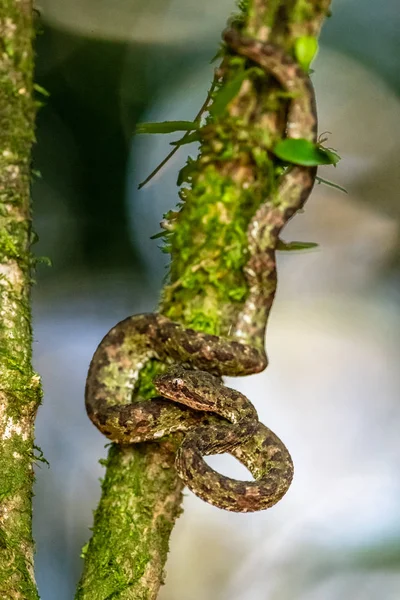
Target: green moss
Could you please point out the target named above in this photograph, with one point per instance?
(19, 388)
(16, 482)
(128, 475)
(206, 275)
(146, 378)
(304, 10)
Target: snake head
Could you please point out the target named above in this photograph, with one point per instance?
(193, 388)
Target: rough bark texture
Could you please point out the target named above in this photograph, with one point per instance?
(19, 385)
(141, 493)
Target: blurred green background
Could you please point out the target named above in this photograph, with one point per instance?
(331, 390)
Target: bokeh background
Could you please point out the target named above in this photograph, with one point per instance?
(332, 388)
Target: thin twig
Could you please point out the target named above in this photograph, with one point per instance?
(176, 148)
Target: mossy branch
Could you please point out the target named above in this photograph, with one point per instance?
(206, 237)
(19, 386)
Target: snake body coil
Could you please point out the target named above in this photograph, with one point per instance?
(214, 418)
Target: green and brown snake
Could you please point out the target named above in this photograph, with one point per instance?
(198, 360)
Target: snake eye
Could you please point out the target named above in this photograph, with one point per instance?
(177, 382)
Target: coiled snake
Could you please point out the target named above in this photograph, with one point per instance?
(198, 359)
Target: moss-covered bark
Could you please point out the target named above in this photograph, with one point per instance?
(207, 242)
(19, 385)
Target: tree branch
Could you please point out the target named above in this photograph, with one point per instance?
(19, 386)
(141, 494)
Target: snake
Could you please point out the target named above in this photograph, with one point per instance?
(191, 397)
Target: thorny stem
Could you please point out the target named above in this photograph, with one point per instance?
(19, 385)
(141, 493)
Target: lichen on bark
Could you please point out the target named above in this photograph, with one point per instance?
(206, 238)
(20, 390)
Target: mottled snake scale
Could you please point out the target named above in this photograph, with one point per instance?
(213, 417)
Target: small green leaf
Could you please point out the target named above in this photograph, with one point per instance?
(305, 153)
(331, 184)
(158, 235)
(293, 246)
(185, 172)
(226, 94)
(43, 260)
(331, 154)
(219, 54)
(84, 550)
(40, 457)
(34, 238)
(166, 127)
(187, 139)
(305, 49)
(41, 90)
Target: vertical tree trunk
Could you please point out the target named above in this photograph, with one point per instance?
(19, 385)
